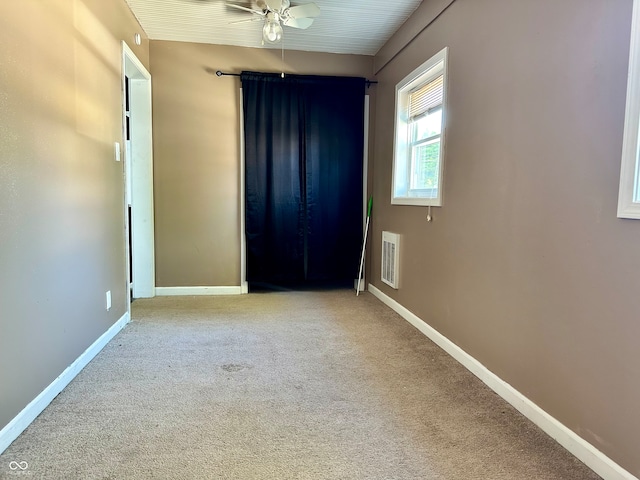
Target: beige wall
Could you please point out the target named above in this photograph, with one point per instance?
(197, 152)
(61, 192)
(526, 266)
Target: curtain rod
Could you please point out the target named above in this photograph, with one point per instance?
(220, 74)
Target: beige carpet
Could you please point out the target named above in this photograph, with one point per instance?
(288, 385)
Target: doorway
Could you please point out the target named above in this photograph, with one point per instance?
(138, 172)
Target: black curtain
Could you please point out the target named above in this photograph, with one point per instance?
(303, 177)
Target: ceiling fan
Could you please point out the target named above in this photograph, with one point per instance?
(277, 13)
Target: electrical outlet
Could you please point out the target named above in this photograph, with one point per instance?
(108, 300)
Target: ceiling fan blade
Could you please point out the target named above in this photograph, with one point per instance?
(298, 22)
(274, 5)
(252, 19)
(244, 9)
(308, 10)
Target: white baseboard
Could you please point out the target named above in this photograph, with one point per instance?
(583, 450)
(28, 414)
(179, 291)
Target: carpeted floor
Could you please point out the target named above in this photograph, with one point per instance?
(287, 385)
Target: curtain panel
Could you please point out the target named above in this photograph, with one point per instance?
(304, 139)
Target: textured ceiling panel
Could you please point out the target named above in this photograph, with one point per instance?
(344, 26)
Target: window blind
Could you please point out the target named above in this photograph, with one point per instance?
(426, 97)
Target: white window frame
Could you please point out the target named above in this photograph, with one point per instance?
(629, 193)
(400, 191)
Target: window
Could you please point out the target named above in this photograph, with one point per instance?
(629, 194)
(419, 135)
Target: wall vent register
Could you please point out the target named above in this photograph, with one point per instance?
(390, 258)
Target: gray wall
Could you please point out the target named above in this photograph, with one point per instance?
(61, 192)
(526, 266)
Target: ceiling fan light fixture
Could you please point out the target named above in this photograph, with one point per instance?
(272, 30)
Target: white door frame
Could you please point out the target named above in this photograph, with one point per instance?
(244, 285)
(365, 192)
(139, 175)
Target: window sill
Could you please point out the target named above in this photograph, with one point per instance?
(631, 211)
(416, 201)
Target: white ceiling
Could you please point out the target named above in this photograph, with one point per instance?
(344, 26)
